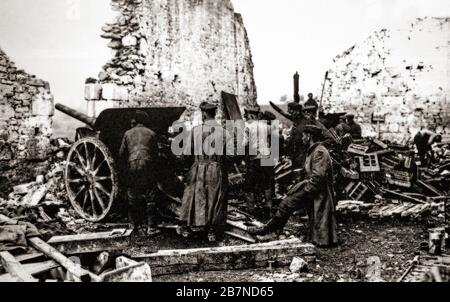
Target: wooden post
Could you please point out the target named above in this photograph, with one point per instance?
(297, 88)
(323, 90)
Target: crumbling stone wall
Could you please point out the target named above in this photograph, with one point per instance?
(168, 52)
(402, 74)
(26, 110)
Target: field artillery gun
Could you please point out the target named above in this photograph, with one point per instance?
(94, 173)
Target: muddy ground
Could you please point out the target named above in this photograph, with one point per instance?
(395, 243)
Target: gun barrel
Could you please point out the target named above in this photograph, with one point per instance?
(90, 121)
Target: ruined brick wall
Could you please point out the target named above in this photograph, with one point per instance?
(26, 110)
(392, 73)
(168, 52)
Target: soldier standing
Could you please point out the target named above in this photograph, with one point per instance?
(355, 128)
(315, 193)
(139, 146)
(294, 146)
(311, 102)
(205, 197)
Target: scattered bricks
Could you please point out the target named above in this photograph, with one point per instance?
(93, 92)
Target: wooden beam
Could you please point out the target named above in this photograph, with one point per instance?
(14, 268)
(405, 197)
(227, 258)
(73, 268)
(430, 188)
(118, 239)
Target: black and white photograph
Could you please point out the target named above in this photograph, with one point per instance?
(251, 142)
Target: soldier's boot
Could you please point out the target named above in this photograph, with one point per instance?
(152, 221)
(251, 203)
(277, 223)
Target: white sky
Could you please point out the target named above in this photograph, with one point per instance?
(59, 40)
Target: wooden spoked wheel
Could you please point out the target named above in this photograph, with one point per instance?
(91, 180)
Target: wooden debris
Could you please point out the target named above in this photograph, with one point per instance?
(118, 239)
(405, 197)
(357, 149)
(430, 188)
(369, 163)
(14, 268)
(75, 269)
(227, 258)
(428, 269)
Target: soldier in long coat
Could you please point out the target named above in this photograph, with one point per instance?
(205, 196)
(315, 193)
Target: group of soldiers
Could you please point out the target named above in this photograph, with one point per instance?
(205, 201)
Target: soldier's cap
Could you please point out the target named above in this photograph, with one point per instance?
(252, 110)
(269, 116)
(313, 129)
(141, 116)
(295, 106)
(350, 116)
(205, 106)
(310, 108)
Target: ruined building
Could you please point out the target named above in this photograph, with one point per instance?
(401, 77)
(26, 110)
(168, 52)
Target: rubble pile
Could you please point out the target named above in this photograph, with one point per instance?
(44, 201)
(384, 181)
(163, 52)
(26, 110)
(396, 81)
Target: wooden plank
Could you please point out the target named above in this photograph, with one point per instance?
(430, 188)
(226, 258)
(405, 197)
(92, 243)
(73, 268)
(40, 267)
(14, 268)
